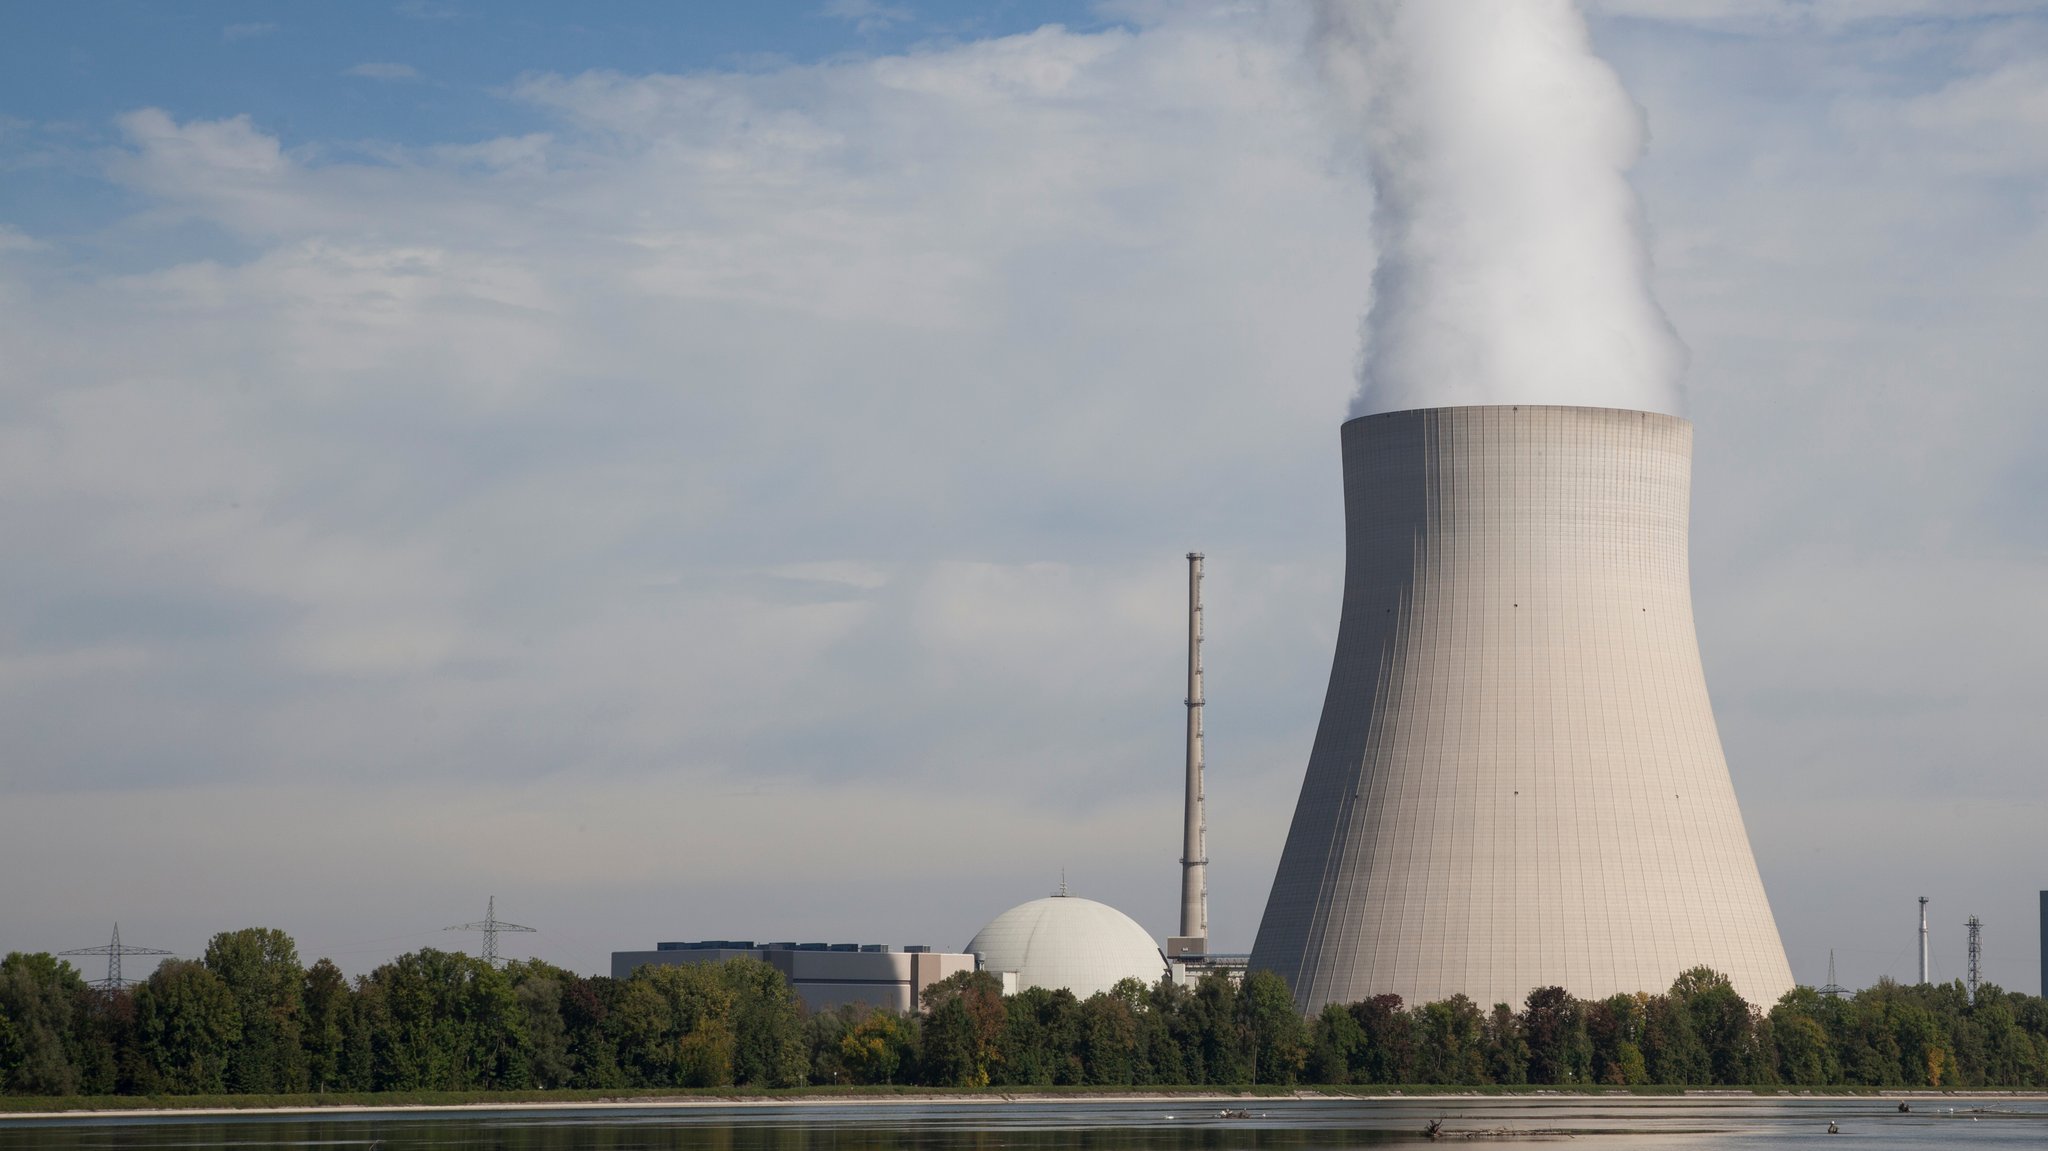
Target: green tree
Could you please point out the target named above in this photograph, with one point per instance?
(964, 1018)
(440, 1021)
(1277, 1037)
(545, 1058)
(1040, 1039)
(1507, 1055)
(1450, 1042)
(874, 1049)
(189, 1027)
(768, 1046)
(40, 999)
(326, 1004)
(1109, 1038)
(1554, 1027)
(260, 967)
(1335, 1039)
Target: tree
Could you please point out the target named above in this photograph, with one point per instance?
(190, 1027)
(40, 997)
(326, 1004)
(1040, 1039)
(1109, 1038)
(1278, 1037)
(1388, 1055)
(1507, 1054)
(964, 1019)
(260, 967)
(874, 1049)
(1450, 1042)
(767, 1020)
(1555, 1031)
(1725, 1026)
(537, 988)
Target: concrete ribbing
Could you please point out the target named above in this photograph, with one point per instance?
(1517, 781)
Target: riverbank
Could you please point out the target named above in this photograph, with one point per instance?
(403, 1102)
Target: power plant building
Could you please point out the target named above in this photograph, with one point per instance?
(1067, 941)
(1517, 781)
(824, 975)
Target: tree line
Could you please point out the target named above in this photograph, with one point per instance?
(247, 1017)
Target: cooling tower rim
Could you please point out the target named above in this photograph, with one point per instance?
(1644, 412)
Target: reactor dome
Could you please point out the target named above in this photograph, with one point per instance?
(1066, 941)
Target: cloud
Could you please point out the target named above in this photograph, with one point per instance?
(234, 32)
(868, 16)
(794, 466)
(385, 71)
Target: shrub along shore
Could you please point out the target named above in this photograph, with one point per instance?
(247, 1024)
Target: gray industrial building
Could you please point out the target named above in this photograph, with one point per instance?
(824, 975)
(1517, 781)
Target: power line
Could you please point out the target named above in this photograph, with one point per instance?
(490, 925)
(114, 951)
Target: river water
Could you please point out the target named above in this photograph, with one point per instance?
(1095, 1125)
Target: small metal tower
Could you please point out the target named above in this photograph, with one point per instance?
(1923, 939)
(1976, 953)
(1832, 989)
(114, 951)
(490, 925)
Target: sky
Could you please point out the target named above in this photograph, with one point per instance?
(704, 471)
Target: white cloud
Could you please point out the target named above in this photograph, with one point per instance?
(249, 31)
(867, 16)
(382, 71)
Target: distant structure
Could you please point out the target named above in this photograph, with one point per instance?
(1923, 939)
(1976, 953)
(2044, 942)
(823, 975)
(1066, 941)
(1517, 781)
(1832, 989)
(1194, 851)
(490, 925)
(114, 951)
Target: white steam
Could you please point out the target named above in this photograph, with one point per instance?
(1513, 266)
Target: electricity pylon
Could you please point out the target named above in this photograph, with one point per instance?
(490, 925)
(1833, 990)
(114, 951)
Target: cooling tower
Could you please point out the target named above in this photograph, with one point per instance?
(1517, 782)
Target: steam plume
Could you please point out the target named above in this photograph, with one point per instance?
(1513, 266)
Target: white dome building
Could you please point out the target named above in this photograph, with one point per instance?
(1066, 941)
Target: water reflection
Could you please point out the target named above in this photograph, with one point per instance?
(1151, 1125)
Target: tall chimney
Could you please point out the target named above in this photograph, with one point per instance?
(1194, 852)
(1923, 939)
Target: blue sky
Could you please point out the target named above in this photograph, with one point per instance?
(710, 470)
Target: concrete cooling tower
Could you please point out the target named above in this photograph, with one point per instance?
(1517, 782)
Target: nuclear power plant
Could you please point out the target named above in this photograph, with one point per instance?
(1517, 781)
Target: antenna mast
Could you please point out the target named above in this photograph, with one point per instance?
(490, 925)
(114, 951)
(1923, 939)
(1194, 852)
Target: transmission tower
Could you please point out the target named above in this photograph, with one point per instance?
(1976, 952)
(114, 951)
(490, 925)
(1832, 989)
